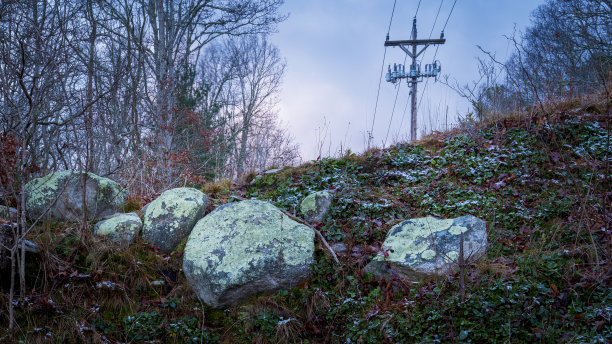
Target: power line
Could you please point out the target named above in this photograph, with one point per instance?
(426, 81)
(414, 75)
(391, 20)
(449, 15)
(382, 69)
(436, 52)
(436, 20)
(417, 10)
(393, 110)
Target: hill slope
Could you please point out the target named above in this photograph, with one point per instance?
(542, 184)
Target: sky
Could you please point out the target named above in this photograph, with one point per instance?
(334, 51)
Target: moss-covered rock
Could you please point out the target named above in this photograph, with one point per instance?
(315, 206)
(246, 249)
(171, 217)
(119, 229)
(428, 246)
(59, 196)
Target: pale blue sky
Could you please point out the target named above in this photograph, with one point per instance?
(334, 50)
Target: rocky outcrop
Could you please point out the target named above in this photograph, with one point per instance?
(171, 217)
(59, 196)
(428, 246)
(119, 229)
(315, 206)
(246, 249)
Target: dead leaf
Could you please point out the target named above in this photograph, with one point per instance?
(554, 289)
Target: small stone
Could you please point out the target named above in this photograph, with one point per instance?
(119, 229)
(338, 247)
(272, 171)
(315, 206)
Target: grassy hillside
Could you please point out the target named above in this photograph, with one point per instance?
(541, 182)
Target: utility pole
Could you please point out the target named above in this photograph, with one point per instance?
(415, 75)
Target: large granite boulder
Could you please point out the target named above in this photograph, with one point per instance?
(315, 206)
(246, 249)
(429, 246)
(59, 196)
(171, 217)
(119, 229)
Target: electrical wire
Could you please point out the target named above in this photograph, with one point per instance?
(436, 53)
(449, 15)
(382, 69)
(398, 88)
(417, 10)
(430, 33)
(393, 110)
(391, 20)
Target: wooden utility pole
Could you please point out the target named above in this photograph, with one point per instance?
(414, 75)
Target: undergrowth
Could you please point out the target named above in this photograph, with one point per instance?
(541, 184)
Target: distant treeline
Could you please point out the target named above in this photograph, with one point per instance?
(564, 53)
(154, 93)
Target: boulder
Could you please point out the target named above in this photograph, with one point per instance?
(8, 213)
(59, 196)
(245, 249)
(429, 246)
(315, 206)
(119, 229)
(171, 217)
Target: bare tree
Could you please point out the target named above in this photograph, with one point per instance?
(565, 52)
(259, 70)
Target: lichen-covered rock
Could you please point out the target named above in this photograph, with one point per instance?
(426, 246)
(246, 249)
(8, 213)
(119, 229)
(315, 206)
(171, 217)
(59, 196)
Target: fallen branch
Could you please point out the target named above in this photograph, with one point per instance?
(297, 219)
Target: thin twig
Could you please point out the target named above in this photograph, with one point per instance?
(297, 219)
(461, 269)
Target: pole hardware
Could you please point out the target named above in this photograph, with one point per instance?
(414, 75)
